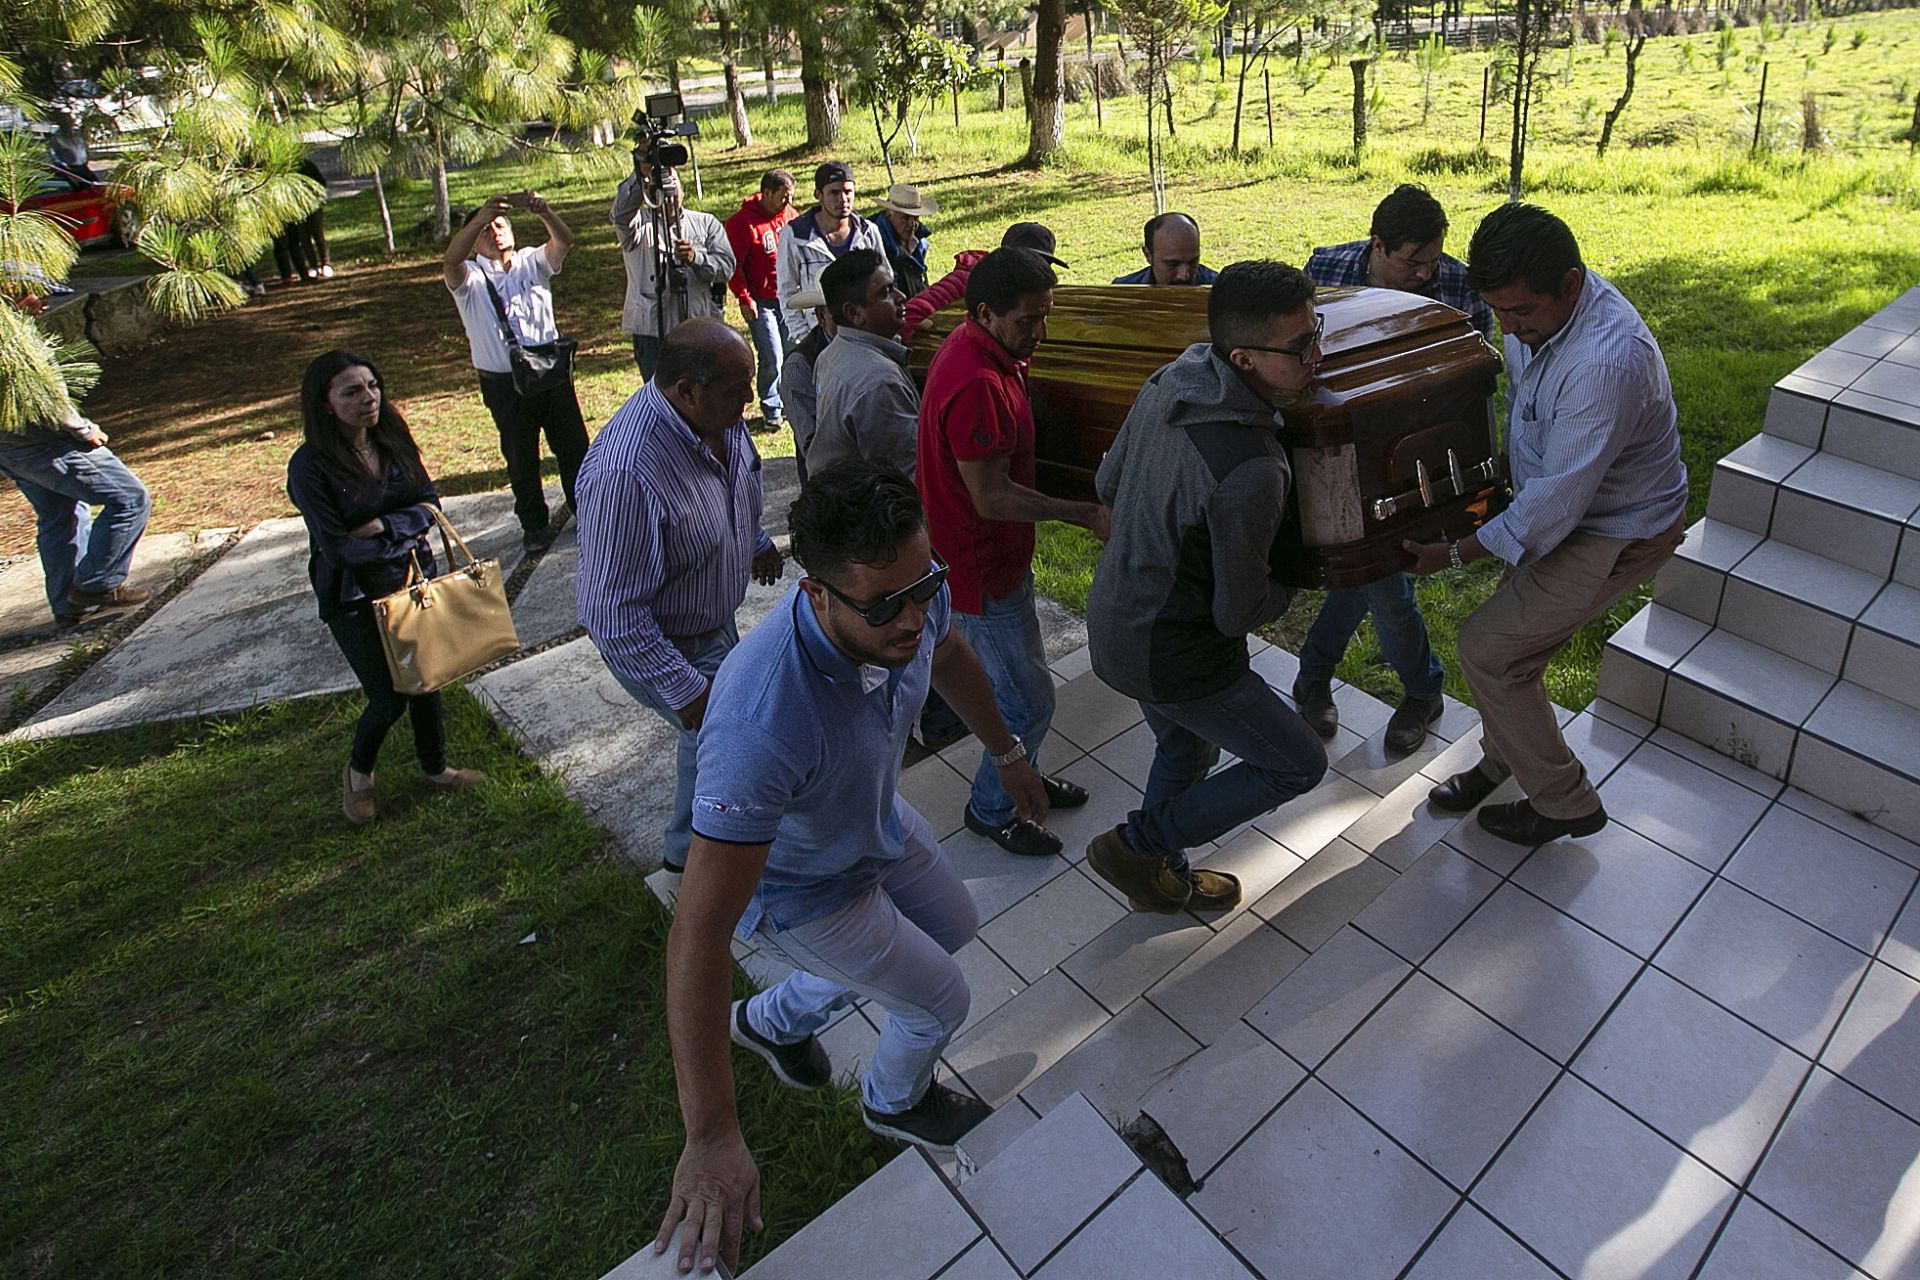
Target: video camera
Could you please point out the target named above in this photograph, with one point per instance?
(653, 128)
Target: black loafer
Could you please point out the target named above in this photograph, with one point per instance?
(1521, 823)
(1408, 727)
(1317, 708)
(1062, 794)
(1028, 839)
(1462, 791)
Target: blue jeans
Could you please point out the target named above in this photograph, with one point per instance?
(894, 944)
(62, 481)
(1280, 758)
(705, 653)
(769, 330)
(1397, 623)
(1006, 636)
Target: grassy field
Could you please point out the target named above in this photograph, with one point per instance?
(242, 1039)
(1743, 265)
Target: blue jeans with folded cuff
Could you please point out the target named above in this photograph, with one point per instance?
(1396, 622)
(893, 944)
(704, 652)
(62, 483)
(1185, 805)
(769, 330)
(1005, 635)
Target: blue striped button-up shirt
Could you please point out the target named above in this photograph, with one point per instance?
(667, 539)
(1334, 265)
(1591, 433)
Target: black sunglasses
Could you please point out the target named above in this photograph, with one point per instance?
(887, 608)
(1301, 350)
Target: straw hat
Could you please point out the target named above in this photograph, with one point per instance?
(807, 299)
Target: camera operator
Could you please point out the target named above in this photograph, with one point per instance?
(678, 259)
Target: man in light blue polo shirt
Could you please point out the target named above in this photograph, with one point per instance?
(1599, 503)
(798, 833)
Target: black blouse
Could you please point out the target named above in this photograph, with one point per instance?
(346, 570)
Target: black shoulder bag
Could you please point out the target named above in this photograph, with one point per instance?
(538, 369)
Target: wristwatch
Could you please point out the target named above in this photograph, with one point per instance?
(1453, 555)
(1018, 751)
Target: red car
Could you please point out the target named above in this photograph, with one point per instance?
(92, 212)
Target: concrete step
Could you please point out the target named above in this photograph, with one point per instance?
(1793, 601)
(1860, 751)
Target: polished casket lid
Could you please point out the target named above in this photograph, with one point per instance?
(1401, 377)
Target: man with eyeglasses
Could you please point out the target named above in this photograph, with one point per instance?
(802, 841)
(977, 474)
(670, 531)
(1403, 251)
(1197, 480)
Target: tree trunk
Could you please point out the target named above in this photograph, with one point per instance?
(1166, 96)
(1635, 43)
(673, 74)
(816, 82)
(442, 210)
(1524, 55)
(1153, 143)
(386, 215)
(1026, 87)
(1359, 68)
(1047, 125)
(736, 101)
(766, 69)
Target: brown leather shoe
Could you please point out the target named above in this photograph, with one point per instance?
(1212, 890)
(456, 779)
(357, 805)
(120, 597)
(1145, 879)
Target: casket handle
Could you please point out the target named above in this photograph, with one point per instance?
(1460, 478)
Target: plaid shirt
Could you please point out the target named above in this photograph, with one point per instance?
(1345, 264)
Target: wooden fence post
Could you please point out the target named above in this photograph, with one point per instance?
(1486, 88)
(1266, 80)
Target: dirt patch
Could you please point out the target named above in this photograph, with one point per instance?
(190, 414)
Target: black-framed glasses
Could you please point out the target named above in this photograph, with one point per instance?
(1299, 350)
(887, 608)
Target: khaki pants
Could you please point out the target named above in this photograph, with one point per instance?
(1506, 643)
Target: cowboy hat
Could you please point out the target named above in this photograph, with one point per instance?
(905, 198)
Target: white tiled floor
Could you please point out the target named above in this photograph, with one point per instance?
(1419, 1052)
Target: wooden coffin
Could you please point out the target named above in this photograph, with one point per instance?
(1394, 440)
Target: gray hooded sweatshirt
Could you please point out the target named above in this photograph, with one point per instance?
(1197, 480)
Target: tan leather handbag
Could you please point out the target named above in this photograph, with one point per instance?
(436, 630)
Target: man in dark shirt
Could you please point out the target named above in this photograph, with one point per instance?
(1172, 246)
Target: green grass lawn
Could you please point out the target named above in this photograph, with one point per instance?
(242, 1039)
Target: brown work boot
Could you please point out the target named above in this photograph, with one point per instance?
(455, 779)
(120, 597)
(1145, 879)
(356, 804)
(1212, 890)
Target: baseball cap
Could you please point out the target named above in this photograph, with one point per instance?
(831, 172)
(1034, 236)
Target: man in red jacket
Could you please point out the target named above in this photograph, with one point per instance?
(754, 233)
(951, 287)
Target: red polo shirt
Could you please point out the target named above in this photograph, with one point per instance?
(975, 407)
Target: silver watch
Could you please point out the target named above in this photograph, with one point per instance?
(1018, 751)
(1453, 555)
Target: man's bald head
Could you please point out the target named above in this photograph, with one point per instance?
(706, 372)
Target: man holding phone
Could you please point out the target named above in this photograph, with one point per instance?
(495, 284)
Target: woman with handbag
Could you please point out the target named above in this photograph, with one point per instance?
(360, 485)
